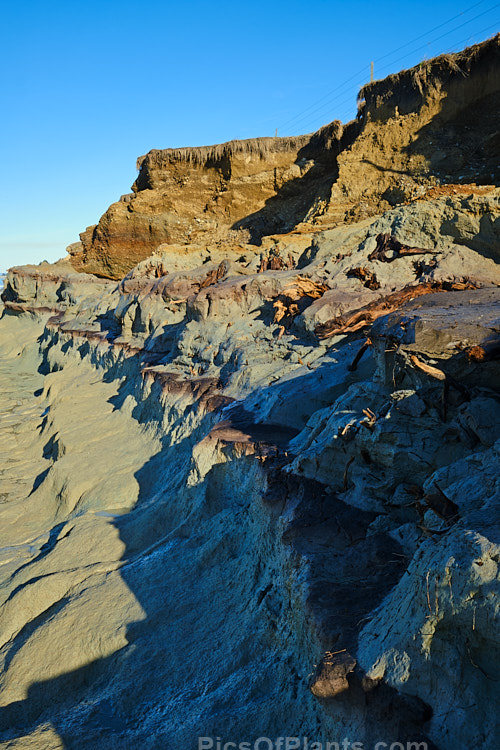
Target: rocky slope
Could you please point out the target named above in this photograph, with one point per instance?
(252, 491)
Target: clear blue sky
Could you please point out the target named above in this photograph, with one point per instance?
(89, 86)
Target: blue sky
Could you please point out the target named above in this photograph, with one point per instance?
(88, 87)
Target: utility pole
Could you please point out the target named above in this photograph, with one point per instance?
(371, 71)
(276, 134)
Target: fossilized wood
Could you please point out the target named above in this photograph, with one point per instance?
(366, 315)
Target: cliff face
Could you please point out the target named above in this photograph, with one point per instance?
(434, 123)
(203, 195)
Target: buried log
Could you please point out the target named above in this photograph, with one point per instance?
(365, 316)
(388, 248)
(369, 313)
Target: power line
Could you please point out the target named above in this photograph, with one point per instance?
(449, 20)
(441, 36)
(306, 117)
(458, 45)
(330, 98)
(440, 26)
(333, 91)
(326, 105)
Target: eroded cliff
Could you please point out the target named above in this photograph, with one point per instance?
(435, 123)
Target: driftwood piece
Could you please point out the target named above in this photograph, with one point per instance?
(369, 313)
(432, 371)
(387, 243)
(458, 286)
(370, 420)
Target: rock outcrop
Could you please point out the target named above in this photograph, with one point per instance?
(252, 490)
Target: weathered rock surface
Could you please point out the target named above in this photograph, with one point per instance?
(252, 491)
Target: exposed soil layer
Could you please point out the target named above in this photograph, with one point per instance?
(433, 124)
